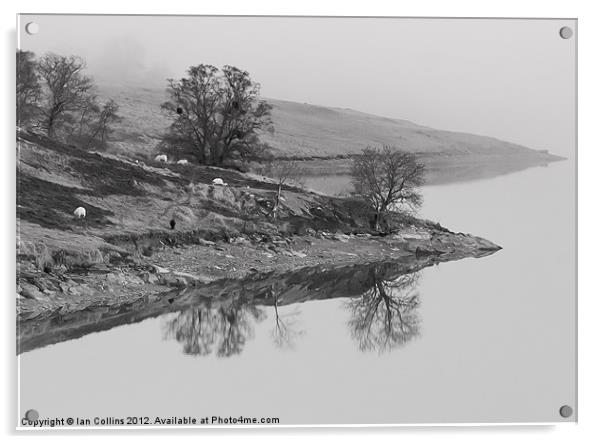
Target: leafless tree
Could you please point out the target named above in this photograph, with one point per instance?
(66, 89)
(284, 172)
(28, 87)
(387, 178)
(106, 117)
(87, 114)
(216, 113)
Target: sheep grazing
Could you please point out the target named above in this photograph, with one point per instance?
(182, 162)
(161, 158)
(219, 181)
(80, 213)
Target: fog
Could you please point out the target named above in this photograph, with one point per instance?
(510, 79)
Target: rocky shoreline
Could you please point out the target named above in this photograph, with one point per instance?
(52, 304)
(123, 262)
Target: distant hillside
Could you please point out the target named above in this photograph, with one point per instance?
(305, 130)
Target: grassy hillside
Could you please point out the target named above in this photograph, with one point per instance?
(306, 130)
(128, 201)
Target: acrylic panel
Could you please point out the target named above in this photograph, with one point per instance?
(295, 221)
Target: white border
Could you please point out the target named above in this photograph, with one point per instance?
(590, 163)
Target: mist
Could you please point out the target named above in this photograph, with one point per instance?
(510, 79)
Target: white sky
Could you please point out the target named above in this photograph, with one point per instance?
(511, 79)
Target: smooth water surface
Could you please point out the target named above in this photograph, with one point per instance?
(476, 340)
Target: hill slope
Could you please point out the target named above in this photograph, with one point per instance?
(305, 130)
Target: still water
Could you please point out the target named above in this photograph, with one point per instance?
(477, 340)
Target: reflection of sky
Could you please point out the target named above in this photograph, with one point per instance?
(496, 341)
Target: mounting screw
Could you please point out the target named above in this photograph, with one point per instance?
(32, 28)
(566, 411)
(566, 32)
(32, 415)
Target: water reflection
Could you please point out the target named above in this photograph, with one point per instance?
(385, 316)
(286, 330)
(382, 302)
(220, 318)
(222, 329)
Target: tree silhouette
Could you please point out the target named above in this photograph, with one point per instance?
(384, 316)
(216, 114)
(28, 87)
(388, 178)
(66, 89)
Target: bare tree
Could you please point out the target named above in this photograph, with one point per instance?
(388, 177)
(66, 89)
(77, 126)
(92, 124)
(217, 114)
(284, 172)
(106, 117)
(28, 87)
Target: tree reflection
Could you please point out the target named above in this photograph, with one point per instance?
(384, 316)
(285, 332)
(222, 328)
(382, 301)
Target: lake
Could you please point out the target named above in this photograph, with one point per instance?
(477, 340)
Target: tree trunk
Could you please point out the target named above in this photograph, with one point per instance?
(277, 203)
(379, 218)
(50, 126)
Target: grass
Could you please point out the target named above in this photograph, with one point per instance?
(305, 131)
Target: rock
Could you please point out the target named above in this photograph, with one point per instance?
(149, 278)
(341, 237)
(31, 292)
(160, 270)
(206, 242)
(417, 236)
(241, 241)
(423, 251)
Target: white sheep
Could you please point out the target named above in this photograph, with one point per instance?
(219, 181)
(80, 213)
(182, 162)
(161, 158)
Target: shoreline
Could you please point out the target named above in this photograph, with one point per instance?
(62, 305)
(122, 258)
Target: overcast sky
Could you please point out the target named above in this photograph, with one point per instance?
(511, 79)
